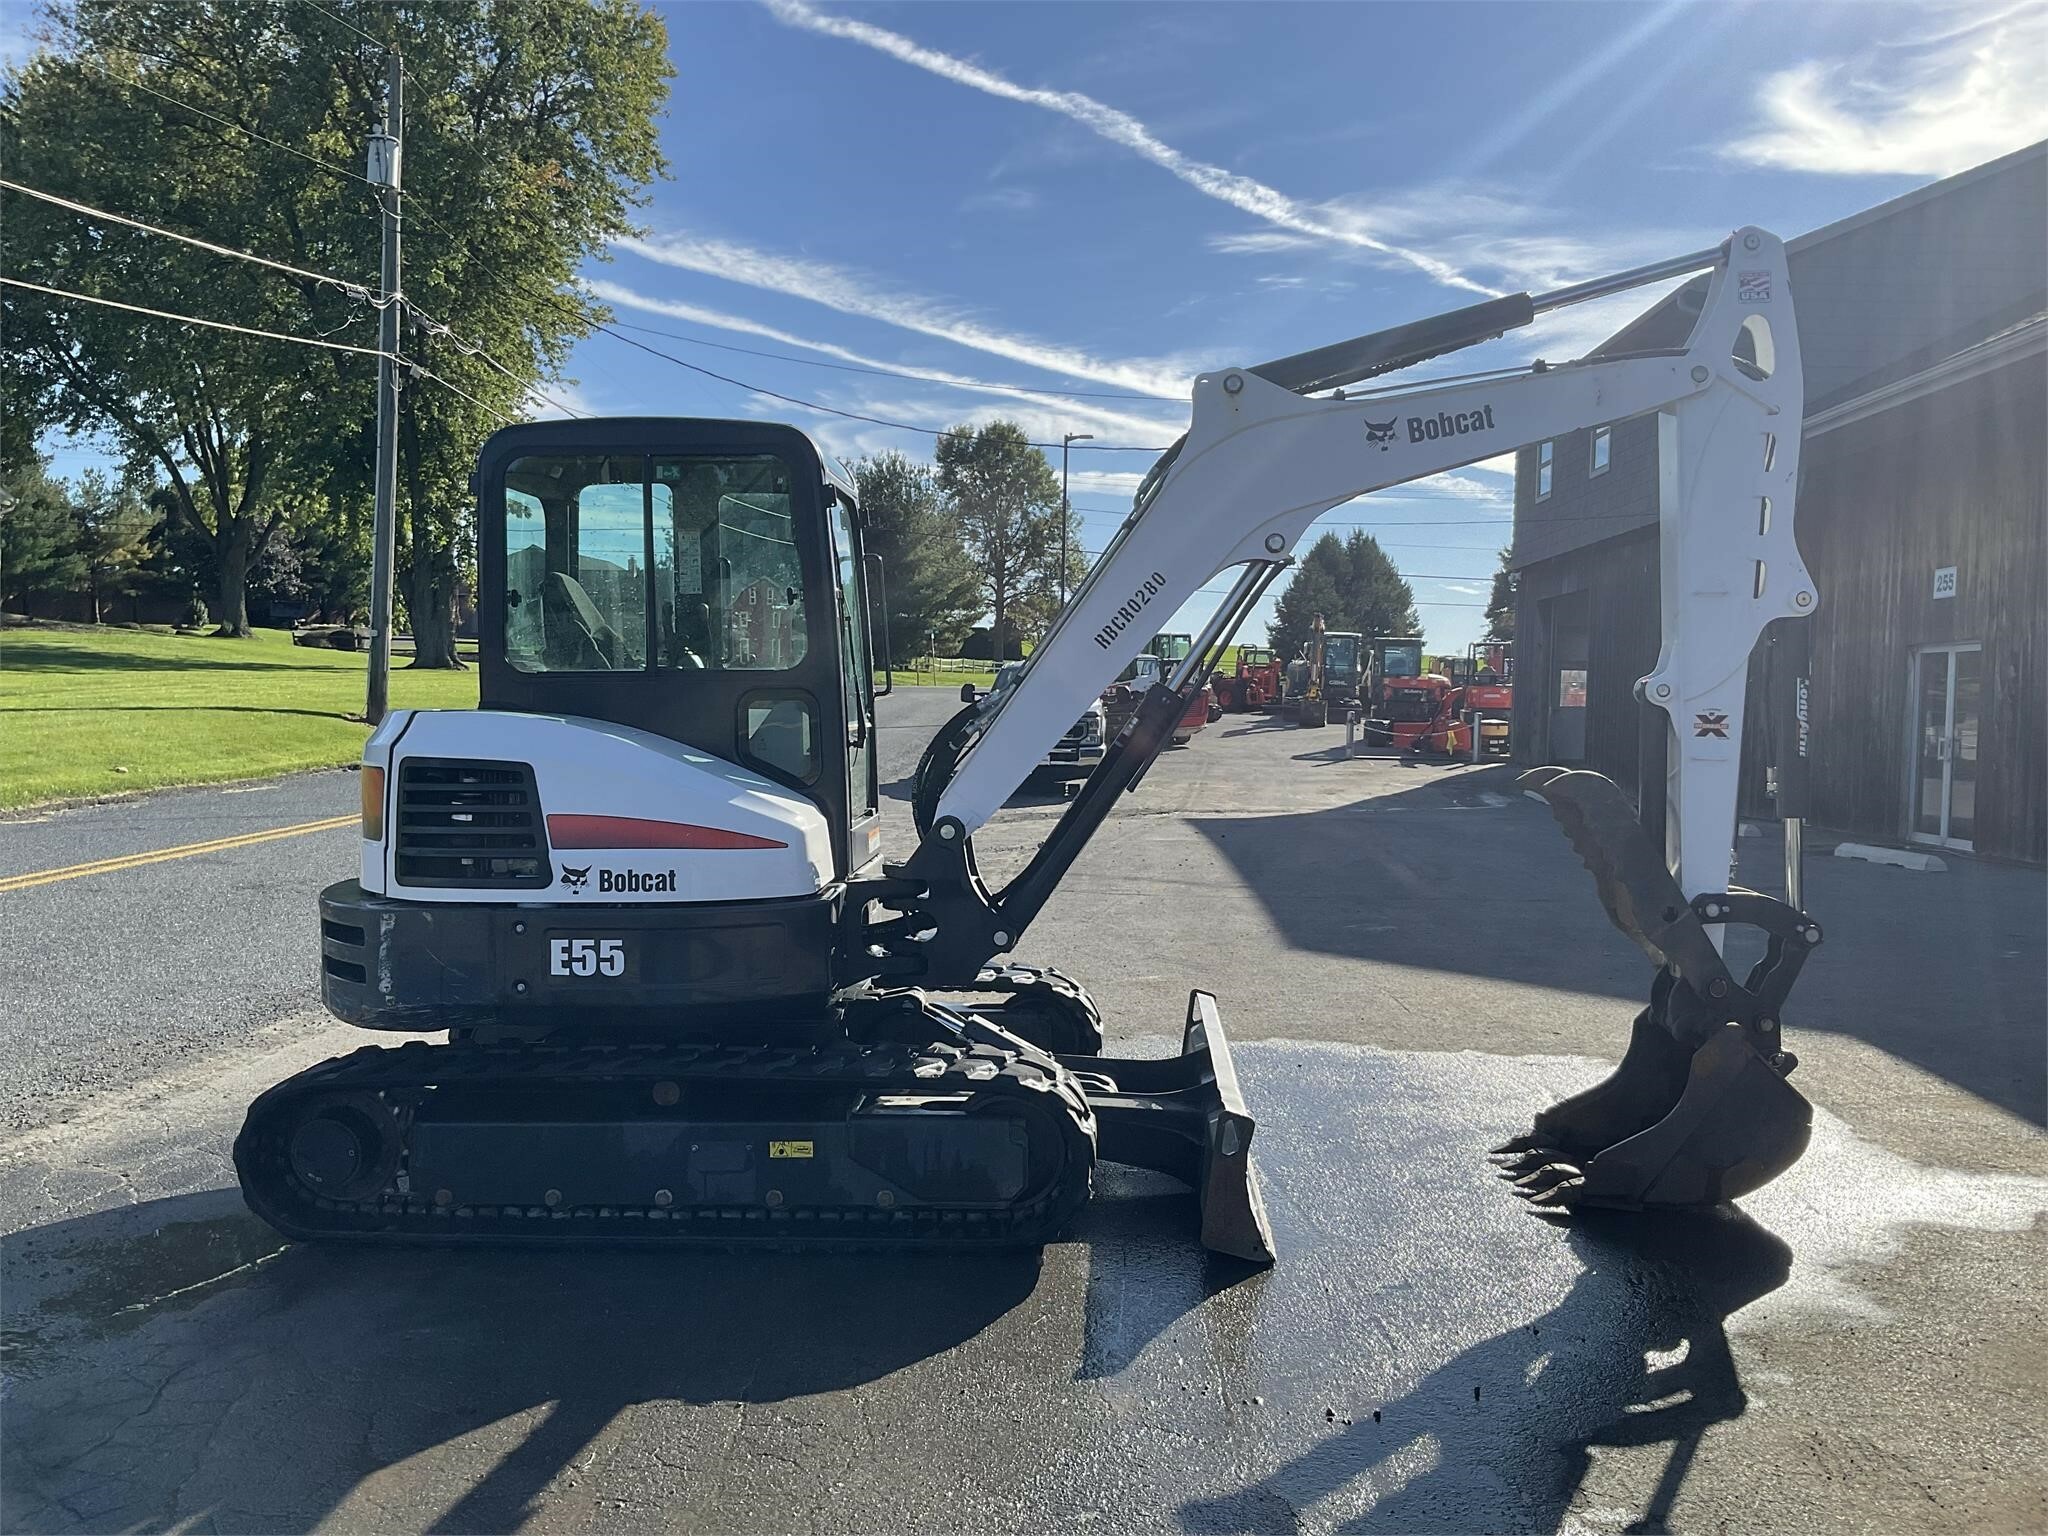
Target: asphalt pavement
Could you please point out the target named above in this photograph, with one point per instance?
(1412, 962)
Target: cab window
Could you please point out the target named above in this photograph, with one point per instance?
(729, 587)
(575, 565)
(616, 563)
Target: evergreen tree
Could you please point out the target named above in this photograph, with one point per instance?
(38, 546)
(1352, 584)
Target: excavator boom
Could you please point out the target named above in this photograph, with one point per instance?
(1262, 459)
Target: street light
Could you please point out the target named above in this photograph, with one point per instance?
(1066, 506)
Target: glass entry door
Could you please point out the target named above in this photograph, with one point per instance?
(1946, 692)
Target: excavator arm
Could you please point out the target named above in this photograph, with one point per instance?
(1262, 459)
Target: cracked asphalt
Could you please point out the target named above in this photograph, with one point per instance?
(1412, 962)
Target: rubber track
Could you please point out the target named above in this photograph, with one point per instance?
(1051, 988)
(1049, 1095)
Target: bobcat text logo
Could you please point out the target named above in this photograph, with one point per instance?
(1381, 432)
(575, 879)
(1132, 607)
(1427, 429)
(1711, 722)
(631, 882)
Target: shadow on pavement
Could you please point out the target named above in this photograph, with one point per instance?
(178, 1362)
(263, 1399)
(1635, 1354)
(1461, 874)
(1457, 874)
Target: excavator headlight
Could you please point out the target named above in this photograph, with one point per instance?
(373, 804)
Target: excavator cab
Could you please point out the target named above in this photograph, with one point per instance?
(699, 580)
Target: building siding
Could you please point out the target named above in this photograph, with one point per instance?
(1880, 295)
(1956, 478)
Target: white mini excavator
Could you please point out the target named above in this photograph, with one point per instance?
(642, 888)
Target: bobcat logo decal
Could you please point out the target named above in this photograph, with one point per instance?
(575, 879)
(1381, 432)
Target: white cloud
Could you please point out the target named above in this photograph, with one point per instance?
(1930, 105)
(1462, 487)
(1105, 482)
(1241, 192)
(838, 289)
(1000, 200)
(1466, 588)
(557, 400)
(1127, 425)
(1259, 242)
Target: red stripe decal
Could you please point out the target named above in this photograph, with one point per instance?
(634, 832)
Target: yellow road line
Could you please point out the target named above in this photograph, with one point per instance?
(161, 855)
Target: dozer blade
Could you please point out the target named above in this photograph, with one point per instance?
(1186, 1116)
(1736, 1125)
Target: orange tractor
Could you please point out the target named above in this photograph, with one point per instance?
(1482, 698)
(1257, 684)
(1402, 701)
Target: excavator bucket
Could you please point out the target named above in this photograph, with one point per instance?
(1699, 1110)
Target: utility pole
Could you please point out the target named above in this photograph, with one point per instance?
(385, 148)
(1066, 506)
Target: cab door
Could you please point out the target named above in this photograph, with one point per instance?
(856, 666)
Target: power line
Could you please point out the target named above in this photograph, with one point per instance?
(435, 327)
(352, 289)
(164, 314)
(428, 373)
(341, 21)
(246, 330)
(249, 133)
(891, 373)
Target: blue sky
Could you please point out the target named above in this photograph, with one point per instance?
(1109, 198)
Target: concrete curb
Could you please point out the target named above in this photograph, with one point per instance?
(1899, 857)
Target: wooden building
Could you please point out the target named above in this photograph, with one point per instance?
(1922, 516)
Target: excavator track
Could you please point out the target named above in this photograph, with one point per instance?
(839, 1145)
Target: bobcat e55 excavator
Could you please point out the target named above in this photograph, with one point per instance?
(642, 887)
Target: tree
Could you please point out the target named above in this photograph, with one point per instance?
(529, 134)
(1005, 500)
(1040, 602)
(933, 592)
(1500, 607)
(110, 528)
(1352, 584)
(1381, 603)
(38, 553)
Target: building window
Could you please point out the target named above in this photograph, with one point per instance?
(1603, 445)
(1543, 471)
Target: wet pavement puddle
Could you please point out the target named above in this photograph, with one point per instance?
(1426, 1354)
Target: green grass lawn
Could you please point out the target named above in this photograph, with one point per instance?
(87, 712)
(951, 680)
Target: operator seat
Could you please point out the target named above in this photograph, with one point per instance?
(576, 637)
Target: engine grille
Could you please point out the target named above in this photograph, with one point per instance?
(469, 822)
